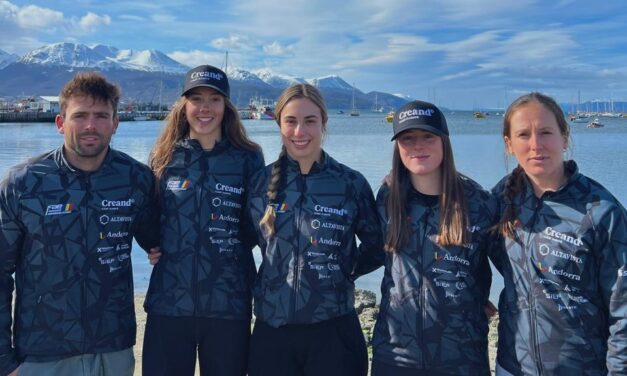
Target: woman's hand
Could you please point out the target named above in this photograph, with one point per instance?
(490, 310)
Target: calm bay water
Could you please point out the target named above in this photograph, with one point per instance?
(362, 143)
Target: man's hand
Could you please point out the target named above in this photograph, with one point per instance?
(154, 255)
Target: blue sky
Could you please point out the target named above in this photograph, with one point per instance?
(460, 54)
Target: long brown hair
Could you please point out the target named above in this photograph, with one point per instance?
(515, 181)
(453, 222)
(176, 128)
(293, 92)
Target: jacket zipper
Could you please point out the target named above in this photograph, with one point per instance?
(296, 269)
(532, 301)
(84, 288)
(199, 212)
(423, 289)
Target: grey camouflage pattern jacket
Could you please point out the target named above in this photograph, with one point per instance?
(67, 235)
(309, 266)
(206, 268)
(431, 315)
(563, 310)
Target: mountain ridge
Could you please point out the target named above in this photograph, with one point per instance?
(151, 76)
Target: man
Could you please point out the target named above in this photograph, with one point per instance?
(67, 221)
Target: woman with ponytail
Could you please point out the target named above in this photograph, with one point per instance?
(199, 299)
(309, 208)
(437, 277)
(563, 310)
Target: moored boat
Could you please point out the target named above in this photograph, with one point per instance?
(596, 123)
(261, 109)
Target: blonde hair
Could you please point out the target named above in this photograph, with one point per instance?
(293, 92)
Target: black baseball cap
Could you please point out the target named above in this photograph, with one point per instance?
(419, 115)
(207, 76)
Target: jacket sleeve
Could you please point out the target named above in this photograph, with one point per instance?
(147, 222)
(11, 235)
(247, 229)
(370, 255)
(612, 237)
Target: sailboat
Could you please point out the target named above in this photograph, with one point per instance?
(376, 107)
(354, 111)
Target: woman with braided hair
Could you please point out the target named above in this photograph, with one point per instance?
(309, 208)
(563, 309)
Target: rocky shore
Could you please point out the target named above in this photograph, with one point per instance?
(365, 304)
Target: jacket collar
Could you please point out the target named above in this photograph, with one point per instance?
(193, 144)
(531, 202)
(64, 164)
(294, 166)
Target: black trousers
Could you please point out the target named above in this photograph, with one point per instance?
(171, 345)
(334, 347)
(383, 369)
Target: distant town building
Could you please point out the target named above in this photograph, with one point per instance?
(48, 104)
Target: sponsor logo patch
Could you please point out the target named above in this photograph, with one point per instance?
(178, 185)
(58, 209)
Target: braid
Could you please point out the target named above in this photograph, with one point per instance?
(513, 186)
(267, 221)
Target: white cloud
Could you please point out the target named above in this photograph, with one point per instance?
(234, 42)
(34, 17)
(132, 17)
(8, 11)
(91, 21)
(197, 57)
(277, 49)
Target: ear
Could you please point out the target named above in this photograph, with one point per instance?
(58, 121)
(116, 122)
(508, 144)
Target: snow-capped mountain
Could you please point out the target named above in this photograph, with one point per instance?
(403, 96)
(7, 58)
(277, 80)
(66, 54)
(237, 74)
(102, 57)
(150, 76)
(330, 82)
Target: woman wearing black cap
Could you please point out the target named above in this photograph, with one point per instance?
(199, 297)
(563, 309)
(437, 276)
(309, 209)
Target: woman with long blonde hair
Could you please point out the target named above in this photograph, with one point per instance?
(199, 297)
(308, 209)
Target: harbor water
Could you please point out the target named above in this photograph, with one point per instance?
(362, 143)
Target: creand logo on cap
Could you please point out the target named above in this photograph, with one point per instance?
(414, 113)
(205, 75)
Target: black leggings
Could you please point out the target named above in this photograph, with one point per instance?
(334, 347)
(171, 344)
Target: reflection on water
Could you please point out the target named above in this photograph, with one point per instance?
(362, 143)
